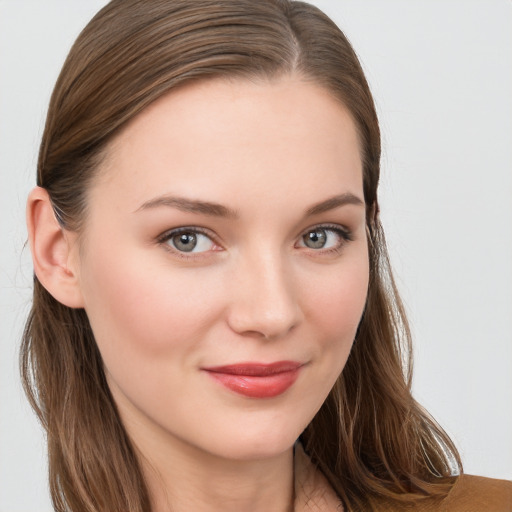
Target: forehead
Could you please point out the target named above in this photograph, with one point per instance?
(215, 135)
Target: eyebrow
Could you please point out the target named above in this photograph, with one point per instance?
(219, 210)
(190, 205)
(334, 202)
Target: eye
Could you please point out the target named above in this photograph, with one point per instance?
(188, 240)
(325, 237)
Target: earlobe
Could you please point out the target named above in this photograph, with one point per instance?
(52, 249)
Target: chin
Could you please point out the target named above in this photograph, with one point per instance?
(255, 449)
(271, 440)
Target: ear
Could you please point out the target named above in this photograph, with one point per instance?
(54, 250)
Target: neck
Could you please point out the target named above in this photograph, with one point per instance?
(184, 478)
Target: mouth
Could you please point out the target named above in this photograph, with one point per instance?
(257, 380)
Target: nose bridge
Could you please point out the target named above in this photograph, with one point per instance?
(265, 300)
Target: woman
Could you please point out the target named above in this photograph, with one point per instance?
(211, 275)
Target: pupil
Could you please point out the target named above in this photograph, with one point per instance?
(315, 239)
(185, 242)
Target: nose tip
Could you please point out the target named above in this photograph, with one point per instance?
(265, 304)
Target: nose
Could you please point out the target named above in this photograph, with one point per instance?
(265, 301)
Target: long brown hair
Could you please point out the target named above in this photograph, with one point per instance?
(370, 438)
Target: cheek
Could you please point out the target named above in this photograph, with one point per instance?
(337, 302)
(142, 309)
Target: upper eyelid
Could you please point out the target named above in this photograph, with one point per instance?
(185, 229)
(343, 232)
(327, 226)
(210, 233)
(166, 235)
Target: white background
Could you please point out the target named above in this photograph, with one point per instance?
(441, 73)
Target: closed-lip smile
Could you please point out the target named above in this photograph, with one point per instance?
(256, 380)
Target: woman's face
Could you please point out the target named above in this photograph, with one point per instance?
(224, 264)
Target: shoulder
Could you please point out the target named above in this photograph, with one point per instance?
(476, 493)
(468, 494)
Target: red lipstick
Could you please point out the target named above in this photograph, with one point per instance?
(257, 380)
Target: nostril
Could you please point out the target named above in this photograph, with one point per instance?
(262, 319)
(265, 301)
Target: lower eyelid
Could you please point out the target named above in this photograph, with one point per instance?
(344, 235)
(166, 238)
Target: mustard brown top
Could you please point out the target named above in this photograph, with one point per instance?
(468, 494)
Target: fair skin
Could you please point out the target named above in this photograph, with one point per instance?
(276, 271)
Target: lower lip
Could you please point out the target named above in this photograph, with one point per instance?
(267, 386)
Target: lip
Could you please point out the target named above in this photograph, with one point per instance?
(257, 380)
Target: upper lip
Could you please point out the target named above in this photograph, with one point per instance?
(255, 369)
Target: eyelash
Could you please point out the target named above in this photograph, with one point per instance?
(344, 234)
(168, 235)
